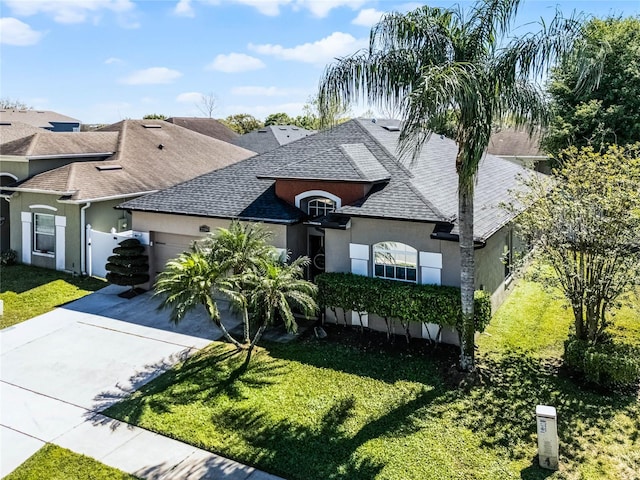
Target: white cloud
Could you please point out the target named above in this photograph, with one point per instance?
(112, 60)
(235, 62)
(15, 32)
(321, 8)
(367, 17)
(318, 8)
(268, 91)
(184, 9)
(337, 44)
(152, 76)
(68, 11)
(189, 97)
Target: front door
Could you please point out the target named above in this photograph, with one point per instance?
(316, 254)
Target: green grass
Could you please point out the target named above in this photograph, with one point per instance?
(54, 463)
(30, 291)
(318, 410)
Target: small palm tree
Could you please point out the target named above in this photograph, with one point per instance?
(435, 64)
(191, 280)
(238, 251)
(275, 290)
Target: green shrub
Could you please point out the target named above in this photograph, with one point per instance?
(408, 302)
(608, 365)
(8, 257)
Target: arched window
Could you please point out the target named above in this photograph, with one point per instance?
(320, 206)
(395, 261)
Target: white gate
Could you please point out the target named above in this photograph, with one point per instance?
(100, 246)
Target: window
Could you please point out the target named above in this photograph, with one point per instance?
(318, 207)
(395, 261)
(507, 255)
(44, 233)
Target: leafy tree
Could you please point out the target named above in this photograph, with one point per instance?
(609, 113)
(434, 62)
(335, 113)
(154, 116)
(129, 266)
(279, 118)
(585, 224)
(242, 123)
(7, 103)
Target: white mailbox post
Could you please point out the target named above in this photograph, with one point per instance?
(547, 421)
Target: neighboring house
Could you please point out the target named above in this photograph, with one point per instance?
(269, 138)
(345, 199)
(62, 208)
(519, 146)
(46, 119)
(206, 126)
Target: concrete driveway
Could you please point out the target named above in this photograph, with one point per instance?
(61, 368)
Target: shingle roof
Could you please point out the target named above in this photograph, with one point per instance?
(269, 138)
(425, 190)
(44, 143)
(205, 126)
(348, 162)
(10, 131)
(35, 118)
(509, 142)
(152, 154)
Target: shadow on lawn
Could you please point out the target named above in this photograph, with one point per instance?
(502, 410)
(203, 377)
(326, 452)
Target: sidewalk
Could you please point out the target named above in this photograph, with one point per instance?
(60, 369)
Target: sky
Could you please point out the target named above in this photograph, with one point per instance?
(102, 61)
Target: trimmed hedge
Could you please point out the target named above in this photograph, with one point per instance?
(408, 302)
(608, 365)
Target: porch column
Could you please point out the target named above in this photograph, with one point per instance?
(26, 237)
(61, 225)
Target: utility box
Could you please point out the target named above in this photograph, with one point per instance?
(547, 421)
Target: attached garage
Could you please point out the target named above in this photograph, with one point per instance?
(167, 246)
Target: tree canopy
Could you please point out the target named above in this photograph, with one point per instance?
(242, 123)
(585, 224)
(433, 63)
(610, 113)
(154, 116)
(279, 118)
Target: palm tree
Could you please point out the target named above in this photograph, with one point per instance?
(238, 251)
(191, 280)
(275, 290)
(437, 62)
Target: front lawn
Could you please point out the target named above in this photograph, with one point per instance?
(30, 291)
(322, 410)
(56, 463)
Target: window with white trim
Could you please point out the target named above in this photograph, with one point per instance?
(44, 233)
(320, 206)
(395, 261)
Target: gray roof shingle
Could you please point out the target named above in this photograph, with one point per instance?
(358, 150)
(269, 138)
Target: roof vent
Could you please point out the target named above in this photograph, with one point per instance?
(5, 124)
(262, 130)
(295, 128)
(151, 125)
(282, 128)
(161, 146)
(109, 166)
(40, 111)
(391, 128)
(373, 120)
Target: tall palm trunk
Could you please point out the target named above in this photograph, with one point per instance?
(467, 273)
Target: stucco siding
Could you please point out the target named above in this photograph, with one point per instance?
(18, 168)
(102, 216)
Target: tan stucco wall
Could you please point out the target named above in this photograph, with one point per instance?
(102, 216)
(17, 168)
(190, 226)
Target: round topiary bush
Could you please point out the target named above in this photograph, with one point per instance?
(129, 266)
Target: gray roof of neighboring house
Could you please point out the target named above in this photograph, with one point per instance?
(35, 118)
(205, 126)
(269, 138)
(149, 155)
(509, 142)
(425, 190)
(10, 131)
